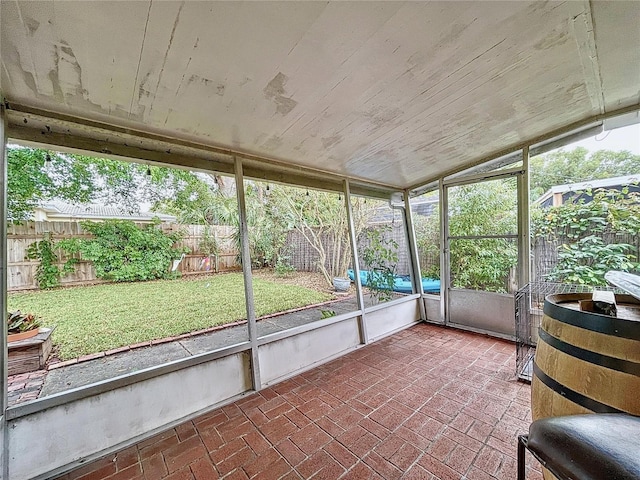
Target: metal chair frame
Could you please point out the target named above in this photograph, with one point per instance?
(522, 447)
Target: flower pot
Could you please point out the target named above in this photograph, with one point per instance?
(14, 337)
(341, 284)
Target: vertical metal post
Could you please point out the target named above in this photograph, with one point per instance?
(445, 259)
(414, 256)
(4, 431)
(524, 240)
(521, 458)
(364, 339)
(245, 254)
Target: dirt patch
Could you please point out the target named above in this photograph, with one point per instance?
(311, 280)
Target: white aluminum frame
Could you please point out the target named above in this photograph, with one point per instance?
(445, 297)
(4, 431)
(111, 142)
(245, 254)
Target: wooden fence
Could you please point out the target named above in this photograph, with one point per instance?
(545, 251)
(21, 271)
(303, 257)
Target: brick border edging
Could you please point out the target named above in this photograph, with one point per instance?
(127, 348)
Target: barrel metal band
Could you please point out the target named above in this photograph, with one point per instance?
(617, 364)
(617, 327)
(572, 395)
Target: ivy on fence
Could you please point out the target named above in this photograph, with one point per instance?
(48, 272)
(581, 230)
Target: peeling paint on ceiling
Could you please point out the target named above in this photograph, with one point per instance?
(393, 92)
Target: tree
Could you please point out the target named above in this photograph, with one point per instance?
(321, 219)
(28, 183)
(193, 197)
(35, 176)
(578, 165)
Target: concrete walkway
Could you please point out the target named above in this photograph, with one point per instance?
(101, 367)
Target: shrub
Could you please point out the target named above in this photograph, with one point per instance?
(381, 257)
(582, 227)
(124, 252)
(209, 244)
(586, 261)
(283, 266)
(327, 314)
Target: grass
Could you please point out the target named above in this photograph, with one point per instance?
(102, 317)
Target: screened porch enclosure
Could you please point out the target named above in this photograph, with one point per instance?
(389, 103)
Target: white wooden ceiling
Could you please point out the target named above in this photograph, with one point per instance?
(391, 92)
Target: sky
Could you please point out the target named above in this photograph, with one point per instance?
(626, 138)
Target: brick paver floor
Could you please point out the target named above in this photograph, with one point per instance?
(426, 403)
(25, 386)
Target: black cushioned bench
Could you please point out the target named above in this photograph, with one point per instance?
(585, 447)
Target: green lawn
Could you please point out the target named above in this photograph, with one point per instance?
(102, 317)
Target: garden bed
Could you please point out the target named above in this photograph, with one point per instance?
(30, 354)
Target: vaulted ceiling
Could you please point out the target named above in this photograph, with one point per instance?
(388, 92)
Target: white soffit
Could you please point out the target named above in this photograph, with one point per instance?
(390, 92)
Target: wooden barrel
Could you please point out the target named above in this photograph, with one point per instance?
(586, 362)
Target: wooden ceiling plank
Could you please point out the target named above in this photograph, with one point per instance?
(388, 91)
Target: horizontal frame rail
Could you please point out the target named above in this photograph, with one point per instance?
(103, 386)
(36, 127)
(481, 237)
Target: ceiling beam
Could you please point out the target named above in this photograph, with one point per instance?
(37, 128)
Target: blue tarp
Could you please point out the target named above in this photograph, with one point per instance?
(401, 283)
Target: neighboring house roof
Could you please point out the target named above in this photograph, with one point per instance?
(419, 206)
(569, 188)
(93, 211)
(425, 207)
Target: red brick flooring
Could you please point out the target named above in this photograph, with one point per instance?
(426, 403)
